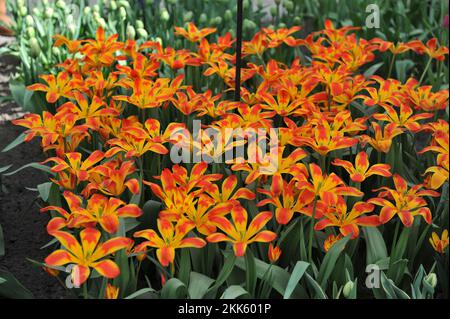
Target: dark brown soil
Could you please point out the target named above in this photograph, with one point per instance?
(23, 225)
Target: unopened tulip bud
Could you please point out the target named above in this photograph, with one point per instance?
(142, 33)
(273, 11)
(288, 5)
(49, 12)
(123, 3)
(31, 32)
(297, 20)
(56, 51)
(203, 18)
(36, 12)
(431, 279)
(122, 13)
(35, 49)
(29, 21)
(20, 3)
(87, 10)
(131, 32)
(348, 287)
(260, 4)
(281, 25)
(248, 25)
(72, 28)
(96, 8)
(69, 19)
(23, 11)
(113, 5)
(45, 3)
(277, 2)
(216, 21)
(60, 4)
(228, 15)
(246, 4)
(274, 253)
(139, 24)
(101, 22)
(165, 16)
(188, 16)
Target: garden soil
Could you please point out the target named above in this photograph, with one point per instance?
(23, 225)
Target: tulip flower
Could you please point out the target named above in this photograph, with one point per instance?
(238, 233)
(172, 238)
(439, 244)
(89, 254)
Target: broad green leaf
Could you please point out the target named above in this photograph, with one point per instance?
(44, 190)
(233, 292)
(144, 293)
(174, 289)
(296, 276)
(376, 247)
(250, 273)
(12, 288)
(329, 261)
(17, 141)
(198, 285)
(319, 293)
(224, 272)
(373, 69)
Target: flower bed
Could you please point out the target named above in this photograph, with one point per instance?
(162, 185)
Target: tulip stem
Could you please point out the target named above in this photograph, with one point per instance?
(391, 66)
(311, 230)
(85, 291)
(425, 71)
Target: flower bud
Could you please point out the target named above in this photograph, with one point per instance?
(273, 11)
(56, 51)
(281, 25)
(246, 4)
(122, 13)
(131, 32)
(69, 19)
(274, 253)
(203, 18)
(348, 287)
(277, 2)
(36, 12)
(49, 12)
(260, 4)
(248, 25)
(60, 4)
(20, 3)
(149, 2)
(96, 8)
(124, 4)
(31, 32)
(297, 20)
(23, 11)
(188, 16)
(142, 33)
(228, 15)
(288, 5)
(72, 28)
(431, 279)
(113, 5)
(216, 21)
(35, 49)
(140, 24)
(87, 10)
(165, 16)
(29, 21)
(101, 22)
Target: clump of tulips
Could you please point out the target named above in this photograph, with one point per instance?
(357, 175)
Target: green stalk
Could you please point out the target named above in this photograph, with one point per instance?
(425, 71)
(311, 230)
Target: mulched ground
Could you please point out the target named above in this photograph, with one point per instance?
(23, 225)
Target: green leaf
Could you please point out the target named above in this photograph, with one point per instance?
(4, 168)
(21, 95)
(185, 266)
(319, 293)
(296, 276)
(198, 285)
(233, 292)
(224, 272)
(44, 190)
(376, 247)
(250, 273)
(280, 277)
(37, 166)
(12, 288)
(17, 141)
(373, 69)
(392, 291)
(174, 289)
(144, 293)
(329, 261)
